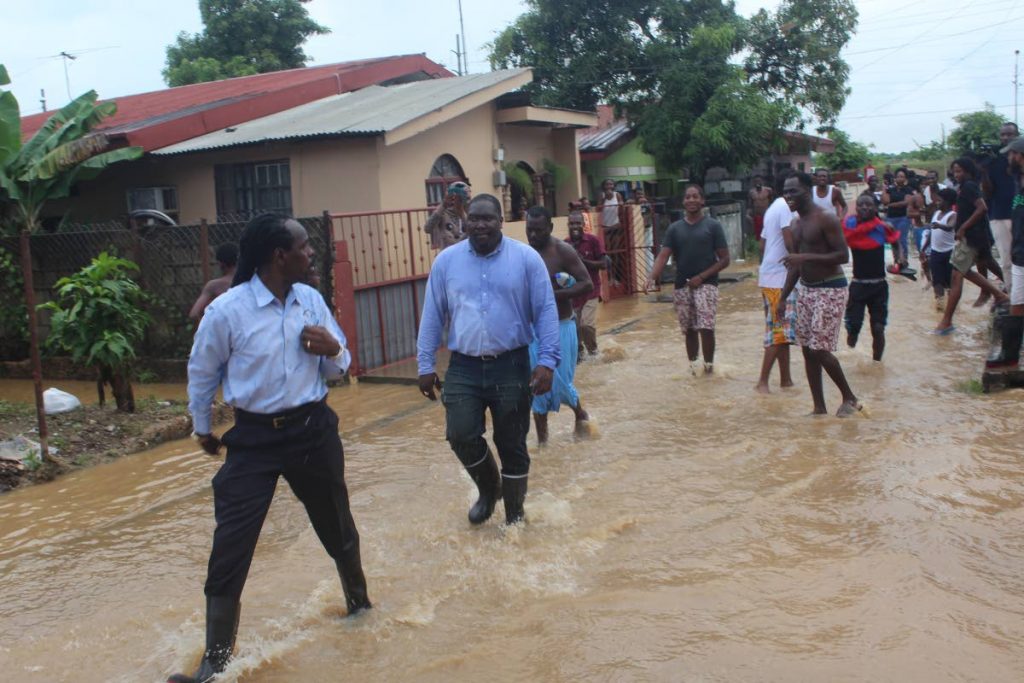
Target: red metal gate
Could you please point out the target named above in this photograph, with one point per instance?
(382, 260)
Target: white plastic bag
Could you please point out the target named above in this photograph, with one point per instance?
(56, 401)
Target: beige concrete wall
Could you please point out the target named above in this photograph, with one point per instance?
(567, 155)
(531, 144)
(336, 175)
(404, 166)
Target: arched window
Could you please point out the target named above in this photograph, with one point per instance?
(446, 170)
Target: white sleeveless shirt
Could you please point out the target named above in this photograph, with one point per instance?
(824, 202)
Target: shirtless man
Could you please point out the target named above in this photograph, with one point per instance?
(227, 257)
(758, 200)
(826, 195)
(559, 257)
(820, 253)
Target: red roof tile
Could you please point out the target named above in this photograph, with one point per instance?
(163, 117)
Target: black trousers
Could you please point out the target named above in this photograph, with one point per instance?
(874, 296)
(309, 455)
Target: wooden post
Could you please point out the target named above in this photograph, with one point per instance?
(33, 343)
(327, 261)
(345, 302)
(204, 251)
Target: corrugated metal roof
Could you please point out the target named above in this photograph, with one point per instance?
(600, 139)
(145, 108)
(372, 110)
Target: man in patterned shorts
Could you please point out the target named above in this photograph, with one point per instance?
(820, 253)
(697, 246)
(779, 333)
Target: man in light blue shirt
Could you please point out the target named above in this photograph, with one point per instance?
(271, 343)
(491, 293)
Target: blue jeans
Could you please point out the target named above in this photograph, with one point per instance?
(502, 385)
(902, 223)
(918, 238)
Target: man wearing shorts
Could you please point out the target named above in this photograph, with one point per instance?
(697, 245)
(1008, 356)
(779, 333)
(590, 251)
(820, 253)
(559, 258)
(867, 236)
(758, 200)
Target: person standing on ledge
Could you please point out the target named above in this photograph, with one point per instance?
(271, 343)
(560, 259)
(820, 253)
(697, 245)
(491, 293)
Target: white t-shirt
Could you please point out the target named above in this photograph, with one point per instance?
(777, 218)
(943, 240)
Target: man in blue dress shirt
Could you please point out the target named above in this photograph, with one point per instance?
(491, 293)
(271, 343)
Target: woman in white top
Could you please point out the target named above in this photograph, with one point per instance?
(937, 245)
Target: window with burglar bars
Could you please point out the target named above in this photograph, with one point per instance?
(253, 188)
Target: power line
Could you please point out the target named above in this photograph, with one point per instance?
(930, 40)
(917, 113)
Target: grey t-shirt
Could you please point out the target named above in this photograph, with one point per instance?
(694, 246)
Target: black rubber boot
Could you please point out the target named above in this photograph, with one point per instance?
(487, 478)
(1008, 356)
(513, 490)
(353, 583)
(221, 627)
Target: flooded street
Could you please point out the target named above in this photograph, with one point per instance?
(705, 534)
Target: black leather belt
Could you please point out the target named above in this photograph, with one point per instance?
(278, 420)
(490, 357)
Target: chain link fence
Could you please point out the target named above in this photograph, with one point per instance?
(171, 267)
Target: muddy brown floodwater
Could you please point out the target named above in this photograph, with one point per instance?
(705, 534)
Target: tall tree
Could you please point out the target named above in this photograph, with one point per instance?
(684, 57)
(975, 130)
(45, 168)
(241, 38)
(795, 54)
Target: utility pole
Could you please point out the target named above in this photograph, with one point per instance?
(67, 81)
(465, 50)
(1016, 83)
(458, 55)
(42, 98)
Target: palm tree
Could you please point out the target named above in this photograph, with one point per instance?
(44, 168)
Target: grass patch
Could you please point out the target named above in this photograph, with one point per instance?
(9, 409)
(973, 387)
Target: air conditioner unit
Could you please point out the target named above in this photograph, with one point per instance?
(160, 198)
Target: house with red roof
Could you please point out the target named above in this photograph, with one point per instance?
(370, 135)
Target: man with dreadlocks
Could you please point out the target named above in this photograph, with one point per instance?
(271, 343)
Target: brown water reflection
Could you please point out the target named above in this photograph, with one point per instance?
(706, 534)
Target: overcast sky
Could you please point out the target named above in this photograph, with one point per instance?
(914, 65)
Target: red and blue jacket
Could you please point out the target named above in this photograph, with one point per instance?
(872, 234)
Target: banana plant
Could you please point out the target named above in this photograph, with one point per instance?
(65, 151)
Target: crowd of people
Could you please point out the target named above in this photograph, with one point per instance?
(517, 318)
